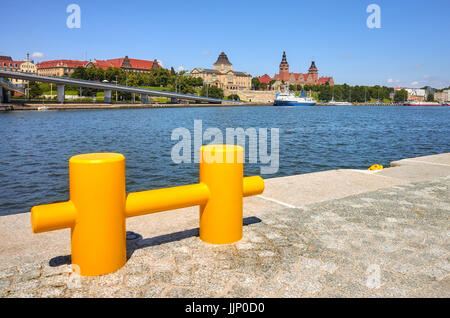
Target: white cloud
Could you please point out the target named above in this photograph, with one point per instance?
(415, 83)
(206, 53)
(391, 81)
(37, 55)
(180, 68)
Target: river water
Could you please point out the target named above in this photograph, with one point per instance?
(35, 146)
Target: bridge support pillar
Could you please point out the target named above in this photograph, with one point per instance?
(61, 93)
(1, 95)
(108, 94)
(8, 97)
(144, 99)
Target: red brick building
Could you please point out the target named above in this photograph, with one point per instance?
(266, 79)
(310, 78)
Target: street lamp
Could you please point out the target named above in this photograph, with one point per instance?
(116, 89)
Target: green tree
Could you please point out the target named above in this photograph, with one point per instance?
(133, 80)
(256, 84)
(35, 90)
(80, 73)
(430, 98)
(234, 97)
(212, 91)
(400, 96)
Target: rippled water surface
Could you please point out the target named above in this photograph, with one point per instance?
(35, 146)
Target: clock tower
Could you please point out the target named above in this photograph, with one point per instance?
(284, 69)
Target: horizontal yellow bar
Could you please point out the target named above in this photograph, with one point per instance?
(140, 203)
(253, 186)
(51, 217)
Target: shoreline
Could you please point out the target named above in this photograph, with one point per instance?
(34, 106)
(74, 106)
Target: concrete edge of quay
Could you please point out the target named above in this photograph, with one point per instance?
(284, 192)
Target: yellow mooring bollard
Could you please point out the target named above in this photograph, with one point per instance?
(98, 205)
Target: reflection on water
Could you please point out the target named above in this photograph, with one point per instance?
(35, 146)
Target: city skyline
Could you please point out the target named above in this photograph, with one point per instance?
(411, 53)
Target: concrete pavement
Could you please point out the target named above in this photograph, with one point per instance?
(333, 233)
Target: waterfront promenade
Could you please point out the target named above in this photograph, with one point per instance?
(338, 233)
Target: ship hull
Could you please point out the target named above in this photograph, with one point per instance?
(287, 103)
(412, 104)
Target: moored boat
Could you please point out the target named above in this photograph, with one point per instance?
(422, 104)
(335, 103)
(289, 99)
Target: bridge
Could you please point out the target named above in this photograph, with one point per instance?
(108, 88)
(6, 87)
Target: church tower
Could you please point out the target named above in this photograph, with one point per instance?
(313, 72)
(284, 69)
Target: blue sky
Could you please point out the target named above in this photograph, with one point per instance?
(412, 47)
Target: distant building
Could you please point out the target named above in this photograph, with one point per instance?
(223, 76)
(7, 64)
(67, 67)
(265, 79)
(416, 94)
(442, 97)
(59, 67)
(27, 66)
(310, 78)
(133, 65)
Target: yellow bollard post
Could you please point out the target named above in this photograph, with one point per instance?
(97, 190)
(98, 205)
(222, 170)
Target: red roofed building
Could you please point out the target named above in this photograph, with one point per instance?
(310, 78)
(126, 63)
(8, 64)
(266, 79)
(59, 67)
(67, 67)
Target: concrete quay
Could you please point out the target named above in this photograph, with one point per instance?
(339, 233)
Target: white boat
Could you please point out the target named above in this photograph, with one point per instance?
(42, 108)
(290, 99)
(422, 104)
(335, 103)
(332, 102)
